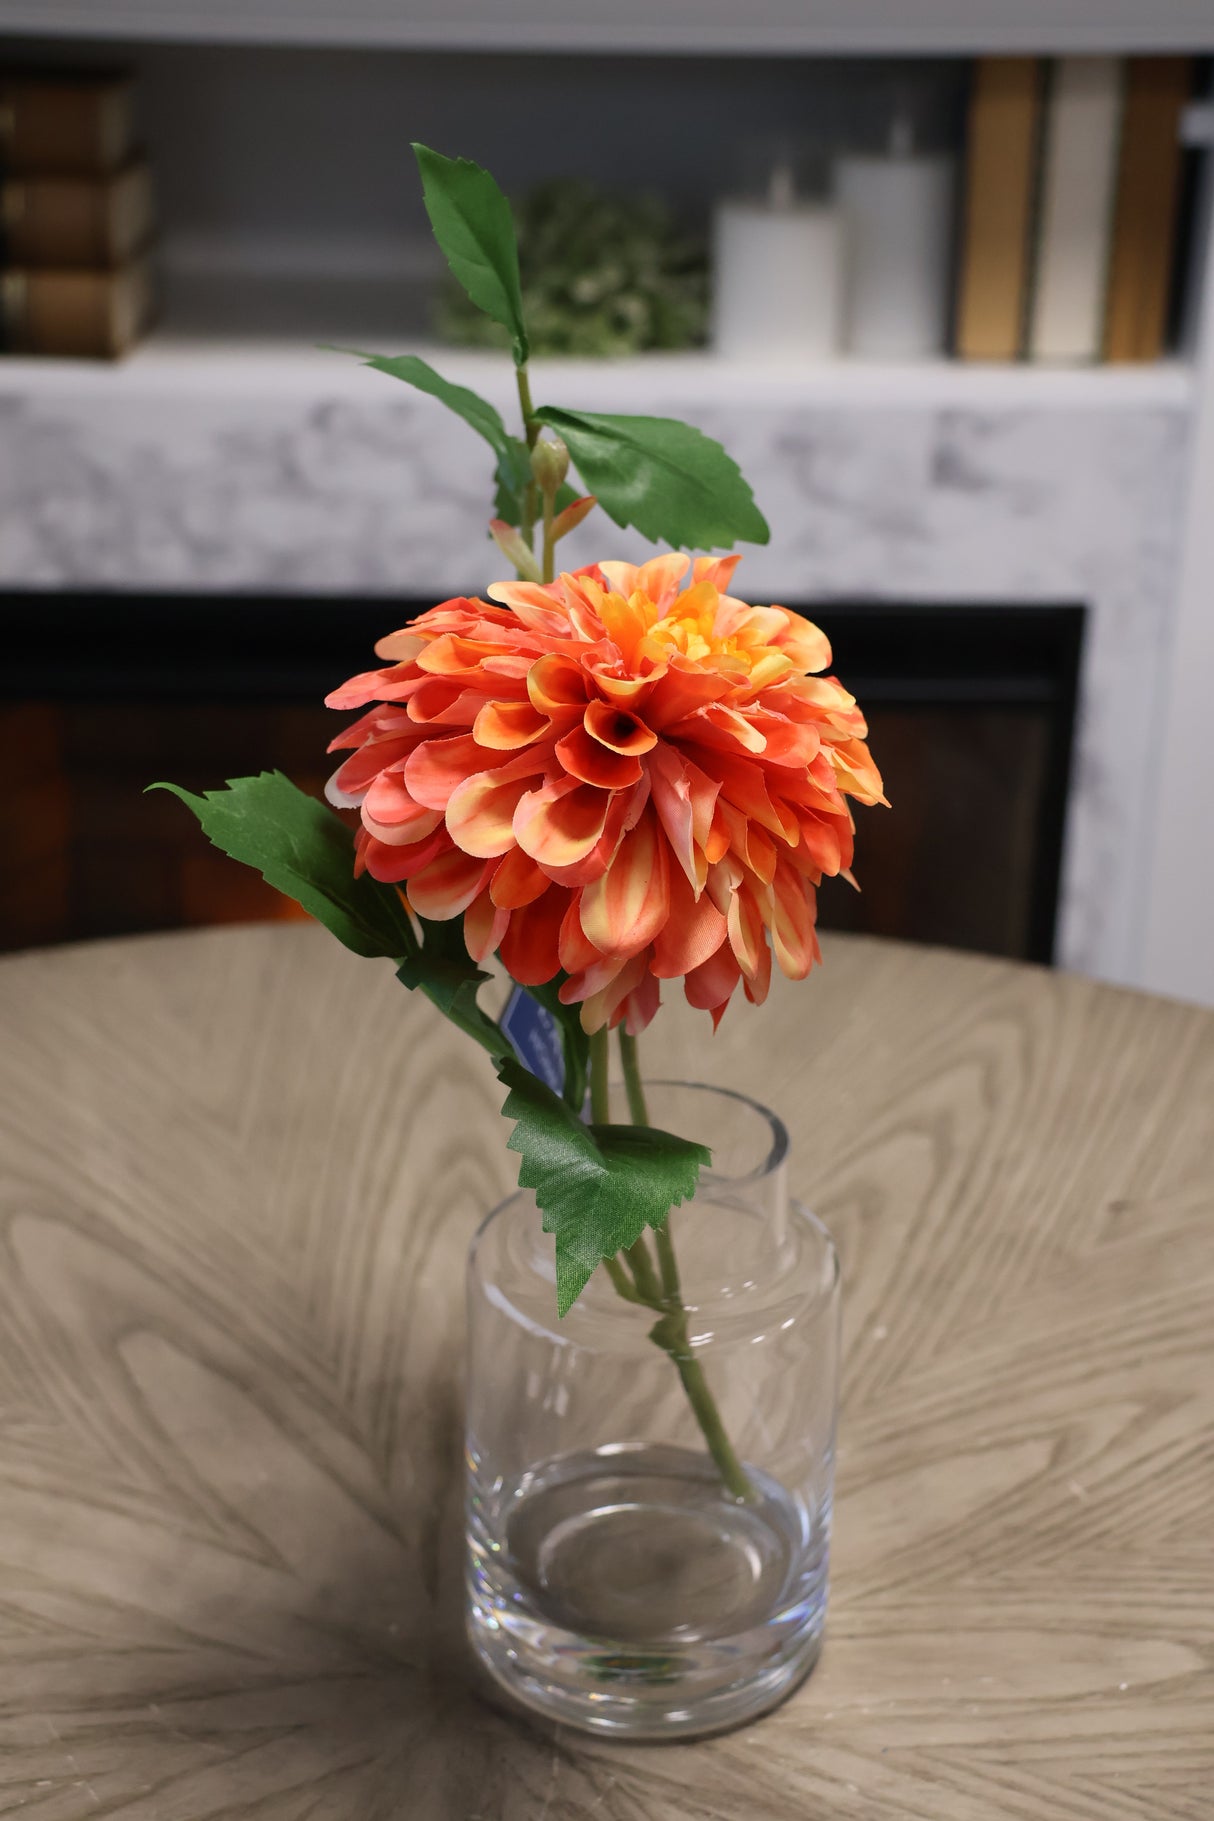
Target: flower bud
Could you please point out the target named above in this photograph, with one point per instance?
(549, 464)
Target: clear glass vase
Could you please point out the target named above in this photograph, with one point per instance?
(648, 1508)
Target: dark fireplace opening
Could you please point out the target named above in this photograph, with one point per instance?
(971, 712)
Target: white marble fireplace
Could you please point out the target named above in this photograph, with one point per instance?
(290, 471)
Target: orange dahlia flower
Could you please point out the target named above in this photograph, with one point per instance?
(613, 778)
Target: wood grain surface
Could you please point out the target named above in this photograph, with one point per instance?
(238, 1173)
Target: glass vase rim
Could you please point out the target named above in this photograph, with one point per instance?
(806, 1305)
(776, 1157)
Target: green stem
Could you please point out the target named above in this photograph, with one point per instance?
(733, 1475)
(668, 1264)
(549, 564)
(600, 1089)
(531, 428)
(663, 1294)
(621, 1281)
(648, 1283)
(531, 431)
(634, 1087)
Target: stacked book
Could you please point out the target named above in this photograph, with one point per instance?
(1072, 208)
(76, 217)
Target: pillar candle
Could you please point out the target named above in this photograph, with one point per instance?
(897, 215)
(777, 278)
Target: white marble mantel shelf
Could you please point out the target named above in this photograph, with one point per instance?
(261, 466)
(276, 365)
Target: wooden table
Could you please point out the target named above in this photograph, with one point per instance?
(238, 1173)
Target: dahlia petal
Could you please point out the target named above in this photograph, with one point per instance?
(792, 743)
(691, 935)
(393, 835)
(757, 986)
(556, 682)
(792, 915)
(600, 1008)
(721, 728)
(626, 622)
(575, 948)
(452, 655)
(624, 909)
(591, 980)
(509, 724)
(659, 578)
(389, 802)
(618, 729)
(339, 798)
(511, 666)
(715, 569)
(857, 774)
(617, 686)
(368, 686)
(761, 853)
(622, 577)
(536, 605)
(376, 724)
(754, 628)
(680, 691)
(517, 881)
(485, 924)
(768, 670)
(560, 823)
(710, 987)
(716, 847)
(529, 948)
(586, 759)
(448, 885)
(480, 812)
(747, 936)
(683, 797)
(437, 767)
(360, 770)
(625, 812)
(392, 864)
(820, 843)
(583, 594)
(742, 784)
(749, 843)
(400, 647)
(642, 1005)
(806, 644)
(724, 878)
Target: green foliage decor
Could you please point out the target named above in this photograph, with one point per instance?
(601, 276)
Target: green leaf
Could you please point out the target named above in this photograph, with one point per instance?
(669, 480)
(450, 979)
(513, 461)
(474, 227)
(512, 476)
(303, 849)
(599, 1186)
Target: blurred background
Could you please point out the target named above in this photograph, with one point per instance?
(944, 296)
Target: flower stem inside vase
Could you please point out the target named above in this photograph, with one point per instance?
(636, 1279)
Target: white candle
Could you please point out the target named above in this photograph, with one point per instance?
(777, 278)
(898, 224)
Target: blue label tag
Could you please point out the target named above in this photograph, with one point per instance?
(536, 1038)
